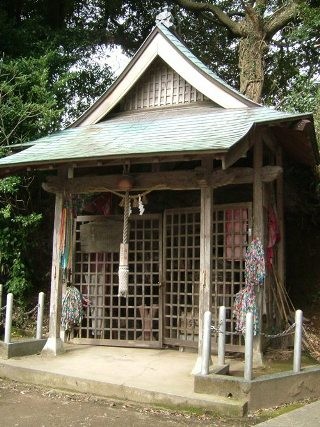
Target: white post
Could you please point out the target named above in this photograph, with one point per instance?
(297, 341)
(40, 315)
(7, 331)
(206, 344)
(1, 291)
(222, 336)
(248, 347)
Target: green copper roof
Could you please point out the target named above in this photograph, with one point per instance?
(148, 133)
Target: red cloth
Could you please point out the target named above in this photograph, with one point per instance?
(102, 204)
(236, 233)
(273, 236)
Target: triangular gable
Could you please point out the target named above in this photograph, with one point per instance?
(161, 86)
(163, 44)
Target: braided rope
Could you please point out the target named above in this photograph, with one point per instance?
(126, 217)
(123, 272)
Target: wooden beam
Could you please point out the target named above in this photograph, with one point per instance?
(205, 290)
(173, 180)
(270, 142)
(54, 343)
(236, 152)
(301, 125)
(280, 212)
(258, 226)
(258, 222)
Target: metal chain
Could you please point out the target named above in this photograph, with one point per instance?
(31, 311)
(288, 331)
(216, 330)
(3, 308)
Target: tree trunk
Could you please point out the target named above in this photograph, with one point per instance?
(252, 51)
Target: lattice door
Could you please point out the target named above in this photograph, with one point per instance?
(131, 321)
(231, 230)
(182, 267)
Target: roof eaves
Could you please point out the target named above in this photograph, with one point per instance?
(37, 164)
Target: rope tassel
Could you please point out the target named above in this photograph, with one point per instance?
(123, 272)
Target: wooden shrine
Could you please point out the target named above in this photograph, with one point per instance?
(206, 163)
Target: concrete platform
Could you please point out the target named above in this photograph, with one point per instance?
(307, 416)
(161, 377)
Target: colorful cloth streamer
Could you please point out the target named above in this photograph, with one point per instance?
(255, 270)
(245, 301)
(72, 308)
(66, 235)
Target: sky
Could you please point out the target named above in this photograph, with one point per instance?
(117, 60)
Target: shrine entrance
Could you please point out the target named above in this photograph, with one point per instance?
(162, 306)
(111, 320)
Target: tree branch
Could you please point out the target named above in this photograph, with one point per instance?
(281, 17)
(261, 4)
(224, 18)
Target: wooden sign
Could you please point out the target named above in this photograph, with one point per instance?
(101, 236)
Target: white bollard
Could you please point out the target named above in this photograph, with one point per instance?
(7, 331)
(40, 315)
(222, 336)
(206, 344)
(248, 357)
(297, 341)
(1, 291)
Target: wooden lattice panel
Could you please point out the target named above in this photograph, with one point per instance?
(231, 225)
(182, 267)
(160, 86)
(122, 321)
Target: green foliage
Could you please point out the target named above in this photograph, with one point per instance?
(304, 96)
(16, 242)
(50, 72)
(28, 108)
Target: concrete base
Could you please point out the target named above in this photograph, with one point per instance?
(53, 347)
(221, 370)
(266, 391)
(218, 404)
(154, 376)
(21, 348)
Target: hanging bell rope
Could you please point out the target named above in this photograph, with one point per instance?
(126, 200)
(124, 251)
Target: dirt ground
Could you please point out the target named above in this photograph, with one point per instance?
(25, 405)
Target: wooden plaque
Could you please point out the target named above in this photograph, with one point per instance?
(101, 236)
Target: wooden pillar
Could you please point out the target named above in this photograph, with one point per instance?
(280, 213)
(54, 344)
(205, 287)
(258, 227)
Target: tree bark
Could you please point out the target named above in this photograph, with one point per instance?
(252, 51)
(255, 30)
